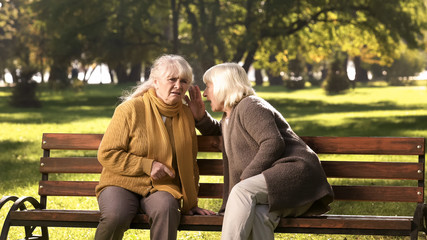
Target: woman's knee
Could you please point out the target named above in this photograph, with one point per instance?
(118, 207)
(117, 219)
(166, 205)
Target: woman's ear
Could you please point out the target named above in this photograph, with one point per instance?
(155, 85)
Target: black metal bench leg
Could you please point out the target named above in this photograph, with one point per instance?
(29, 233)
(5, 230)
(6, 224)
(20, 204)
(418, 221)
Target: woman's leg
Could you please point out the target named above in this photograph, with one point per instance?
(163, 211)
(264, 223)
(240, 212)
(118, 207)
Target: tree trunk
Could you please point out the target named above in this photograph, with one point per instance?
(258, 77)
(274, 80)
(135, 73)
(361, 73)
(122, 76)
(58, 77)
(175, 15)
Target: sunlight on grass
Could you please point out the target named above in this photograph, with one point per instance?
(364, 111)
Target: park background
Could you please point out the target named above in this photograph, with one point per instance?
(332, 68)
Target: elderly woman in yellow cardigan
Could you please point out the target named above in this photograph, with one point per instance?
(148, 154)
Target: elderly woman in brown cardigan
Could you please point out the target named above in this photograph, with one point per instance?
(148, 154)
(268, 170)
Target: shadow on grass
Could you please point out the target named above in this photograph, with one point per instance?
(379, 126)
(301, 108)
(16, 169)
(61, 111)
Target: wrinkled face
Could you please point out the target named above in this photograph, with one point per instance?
(170, 88)
(208, 93)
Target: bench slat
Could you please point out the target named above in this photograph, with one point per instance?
(71, 141)
(348, 222)
(213, 167)
(379, 193)
(214, 190)
(321, 145)
(210, 167)
(48, 217)
(374, 170)
(74, 141)
(87, 189)
(366, 145)
(70, 165)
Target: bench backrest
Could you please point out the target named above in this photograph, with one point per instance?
(412, 170)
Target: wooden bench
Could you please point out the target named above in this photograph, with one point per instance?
(409, 168)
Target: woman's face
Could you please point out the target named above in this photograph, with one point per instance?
(208, 94)
(170, 88)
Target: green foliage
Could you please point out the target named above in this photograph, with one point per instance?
(409, 64)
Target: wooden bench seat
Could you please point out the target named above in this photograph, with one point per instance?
(390, 173)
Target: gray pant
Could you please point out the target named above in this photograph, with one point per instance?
(247, 215)
(119, 206)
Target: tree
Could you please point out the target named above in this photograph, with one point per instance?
(239, 31)
(124, 34)
(409, 64)
(337, 81)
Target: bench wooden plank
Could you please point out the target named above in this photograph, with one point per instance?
(324, 221)
(378, 193)
(70, 165)
(366, 145)
(374, 170)
(348, 222)
(74, 141)
(87, 189)
(214, 190)
(71, 141)
(321, 145)
(210, 167)
(213, 167)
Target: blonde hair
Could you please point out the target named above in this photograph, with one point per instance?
(163, 67)
(230, 83)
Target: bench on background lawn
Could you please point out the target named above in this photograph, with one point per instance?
(391, 189)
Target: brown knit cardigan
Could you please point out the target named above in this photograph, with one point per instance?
(261, 141)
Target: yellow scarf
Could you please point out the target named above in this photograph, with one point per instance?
(160, 149)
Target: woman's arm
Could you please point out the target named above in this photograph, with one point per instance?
(113, 152)
(259, 121)
(204, 122)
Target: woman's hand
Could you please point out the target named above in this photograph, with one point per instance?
(196, 103)
(200, 211)
(159, 171)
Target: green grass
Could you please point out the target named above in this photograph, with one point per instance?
(365, 111)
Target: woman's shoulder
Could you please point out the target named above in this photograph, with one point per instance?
(131, 104)
(252, 103)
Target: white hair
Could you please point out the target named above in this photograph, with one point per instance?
(230, 83)
(163, 67)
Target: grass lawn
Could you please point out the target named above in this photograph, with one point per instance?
(364, 111)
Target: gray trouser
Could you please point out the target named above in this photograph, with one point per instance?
(119, 206)
(247, 215)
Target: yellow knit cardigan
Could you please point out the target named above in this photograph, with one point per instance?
(123, 149)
